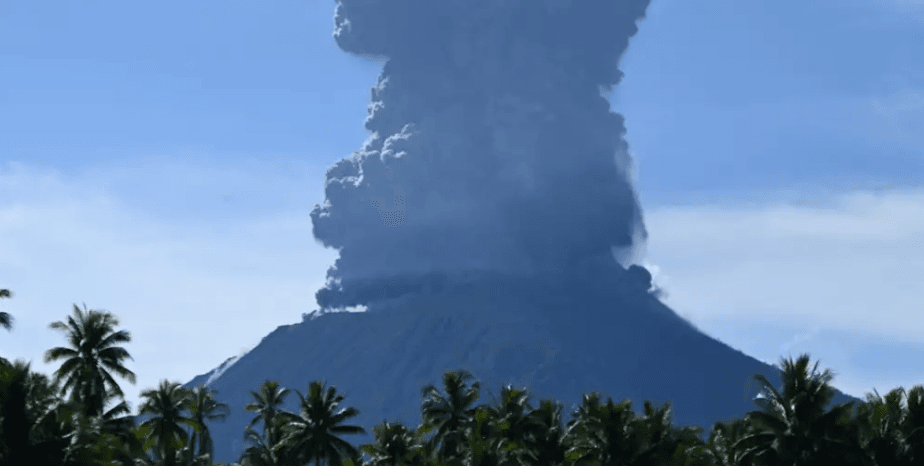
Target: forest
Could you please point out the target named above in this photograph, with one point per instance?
(78, 416)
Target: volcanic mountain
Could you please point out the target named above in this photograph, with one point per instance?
(576, 338)
(507, 244)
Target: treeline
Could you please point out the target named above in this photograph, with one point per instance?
(64, 421)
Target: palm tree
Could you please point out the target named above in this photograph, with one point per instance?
(913, 425)
(15, 423)
(603, 433)
(259, 453)
(879, 423)
(719, 449)
(448, 415)
(395, 445)
(659, 441)
(204, 407)
(681, 445)
(6, 321)
(314, 434)
(614, 434)
(546, 445)
(93, 350)
(53, 419)
(40, 392)
(35, 424)
(891, 428)
(166, 407)
(512, 422)
(100, 440)
(267, 404)
(483, 445)
(65, 435)
(793, 427)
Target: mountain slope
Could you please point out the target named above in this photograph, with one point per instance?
(559, 338)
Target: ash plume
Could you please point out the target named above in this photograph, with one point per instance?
(492, 148)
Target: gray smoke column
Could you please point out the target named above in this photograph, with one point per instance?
(493, 150)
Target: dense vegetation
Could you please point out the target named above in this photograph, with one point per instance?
(64, 421)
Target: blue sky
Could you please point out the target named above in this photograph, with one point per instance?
(160, 162)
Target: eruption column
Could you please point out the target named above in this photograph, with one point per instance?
(491, 134)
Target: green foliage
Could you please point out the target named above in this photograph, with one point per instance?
(314, 435)
(203, 407)
(167, 407)
(64, 421)
(93, 349)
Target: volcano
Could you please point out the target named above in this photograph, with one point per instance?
(489, 223)
(579, 337)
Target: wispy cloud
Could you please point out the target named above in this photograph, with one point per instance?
(191, 290)
(853, 265)
(838, 278)
(799, 338)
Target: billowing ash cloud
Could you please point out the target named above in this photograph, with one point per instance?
(492, 148)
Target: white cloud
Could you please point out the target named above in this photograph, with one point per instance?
(855, 265)
(190, 290)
